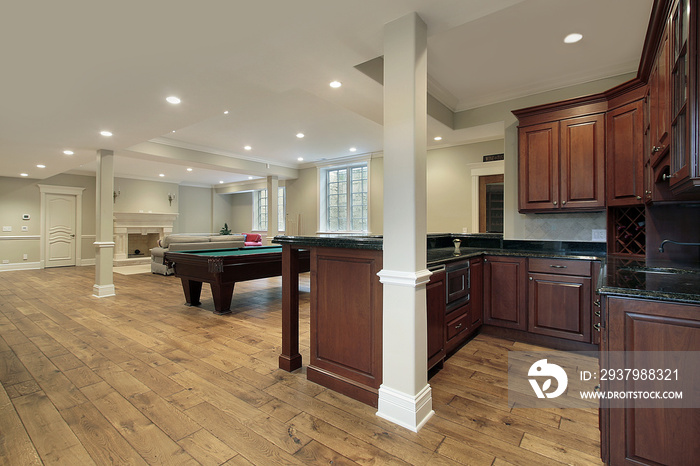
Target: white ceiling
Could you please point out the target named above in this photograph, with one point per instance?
(77, 67)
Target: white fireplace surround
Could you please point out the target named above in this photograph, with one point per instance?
(143, 223)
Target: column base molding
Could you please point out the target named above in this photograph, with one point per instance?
(409, 411)
(103, 291)
(403, 278)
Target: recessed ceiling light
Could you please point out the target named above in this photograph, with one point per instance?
(189, 169)
(336, 84)
(173, 100)
(573, 38)
(300, 159)
(353, 149)
(226, 112)
(247, 148)
(68, 152)
(41, 166)
(106, 133)
(438, 138)
(162, 175)
(300, 135)
(24, 174)
(250, 177)
(173, 131)
(221, 182)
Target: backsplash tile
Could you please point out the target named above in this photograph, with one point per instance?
(562, 227)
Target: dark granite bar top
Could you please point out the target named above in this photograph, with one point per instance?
(620, 276)
(333, 241)
(650, 280)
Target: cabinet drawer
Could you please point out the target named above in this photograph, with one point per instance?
(560, 266)
(458, 325)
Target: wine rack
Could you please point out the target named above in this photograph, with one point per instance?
(627, 235)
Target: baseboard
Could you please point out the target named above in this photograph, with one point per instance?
(86, 262)
(20, 266)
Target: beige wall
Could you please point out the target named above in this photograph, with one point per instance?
(20, 196)
(302, 203)
(241, 212)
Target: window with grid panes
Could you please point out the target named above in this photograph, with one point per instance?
(260, 209)
(346, 198)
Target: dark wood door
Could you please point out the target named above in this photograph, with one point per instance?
(505, 292)
(538, 158)
(435, 298)
(651, 436)
(582, 159)
(560, 306)
(625, 155)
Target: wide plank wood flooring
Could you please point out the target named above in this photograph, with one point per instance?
(140, 378)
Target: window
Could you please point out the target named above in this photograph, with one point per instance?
(344, 198)
(260, 209)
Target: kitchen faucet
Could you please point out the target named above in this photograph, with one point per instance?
(661, 247)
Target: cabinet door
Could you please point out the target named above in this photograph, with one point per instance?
(505, 292)
(660, 101)
(435, 300)
(650, 435)
(560, 306)
(582, 155)
(538, 147)
(625, 155)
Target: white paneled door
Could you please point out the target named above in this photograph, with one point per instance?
(60, 229)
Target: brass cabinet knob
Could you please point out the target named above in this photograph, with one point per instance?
(639, 198)
(563, 202)
(555, 202)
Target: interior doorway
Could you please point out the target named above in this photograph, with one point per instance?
(491, 204)
(61, 225)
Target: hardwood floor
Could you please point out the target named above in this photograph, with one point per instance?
(142, 379)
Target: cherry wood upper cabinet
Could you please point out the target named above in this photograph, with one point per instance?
(561, 156)
(625, 155)
(539, 167)
(582, 159)
(659, 100)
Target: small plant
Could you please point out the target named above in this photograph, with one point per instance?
(225, 230)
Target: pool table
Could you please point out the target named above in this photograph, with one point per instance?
(222, 268)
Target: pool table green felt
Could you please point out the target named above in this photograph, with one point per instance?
(222, 268)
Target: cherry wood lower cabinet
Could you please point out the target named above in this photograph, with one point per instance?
(559, 298)
(505, 292)
(346, 322)
(465, 315)
(648, 436)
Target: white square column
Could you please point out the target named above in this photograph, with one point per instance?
(104, 225)
(404, 396)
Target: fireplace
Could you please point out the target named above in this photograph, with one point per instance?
(139, 231)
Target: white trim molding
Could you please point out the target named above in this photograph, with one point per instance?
(104, 244)
(20, 266)
(103, 291)
(411, 412)
(402, 278)
(14, 238)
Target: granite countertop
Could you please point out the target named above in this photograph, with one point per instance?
(650, 280)
(334, 241)
(620, 276)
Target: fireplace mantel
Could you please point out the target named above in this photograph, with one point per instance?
(143, 223)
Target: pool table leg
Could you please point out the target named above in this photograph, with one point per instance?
(223, 294)
(193, 290)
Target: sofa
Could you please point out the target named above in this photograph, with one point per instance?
(198, 241)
